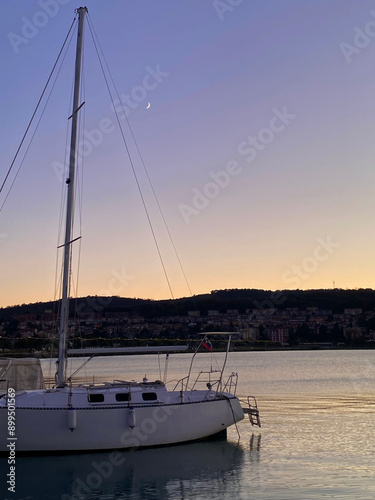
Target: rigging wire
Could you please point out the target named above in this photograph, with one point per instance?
(36, 128)
(160, 209)
(132, 166)
(144, 167)
(35, 111)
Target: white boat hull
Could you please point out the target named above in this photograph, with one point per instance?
(48, 429)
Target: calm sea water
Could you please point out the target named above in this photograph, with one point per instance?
(316, 441)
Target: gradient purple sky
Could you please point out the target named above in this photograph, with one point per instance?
(298, 215)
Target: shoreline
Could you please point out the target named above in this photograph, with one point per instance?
(24, 353)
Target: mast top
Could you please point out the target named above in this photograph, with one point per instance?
(81, 9)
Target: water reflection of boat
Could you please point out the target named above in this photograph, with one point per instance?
(160, 473)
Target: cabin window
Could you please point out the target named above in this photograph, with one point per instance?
(149, 396)
(122, 396)
(96, 398)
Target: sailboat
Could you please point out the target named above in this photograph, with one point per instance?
(119, 414)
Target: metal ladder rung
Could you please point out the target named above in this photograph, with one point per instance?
(252, 410)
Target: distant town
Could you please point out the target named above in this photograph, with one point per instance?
(269, 323)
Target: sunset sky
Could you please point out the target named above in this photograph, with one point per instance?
(256, 122)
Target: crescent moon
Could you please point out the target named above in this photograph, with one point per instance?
(148, 105)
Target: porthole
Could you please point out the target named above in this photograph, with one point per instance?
(122, 396)
(149, 396)
(96, 398)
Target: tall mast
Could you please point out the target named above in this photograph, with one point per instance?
(70, 182)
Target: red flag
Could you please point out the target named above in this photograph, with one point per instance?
(207, 344)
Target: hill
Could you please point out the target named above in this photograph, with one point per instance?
(335, 300)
